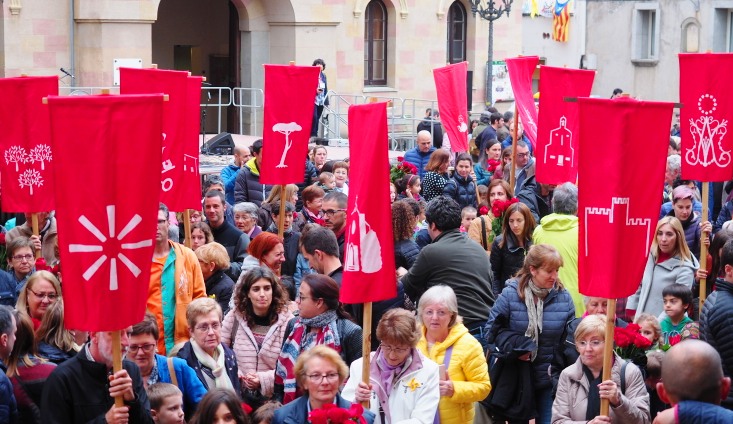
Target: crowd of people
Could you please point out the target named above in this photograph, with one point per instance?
(488, 323)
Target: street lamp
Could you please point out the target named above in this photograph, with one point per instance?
(487, 10)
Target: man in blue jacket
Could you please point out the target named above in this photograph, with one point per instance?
(229, 172)
(420, 155)
(693, 381)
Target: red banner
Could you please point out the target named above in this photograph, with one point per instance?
(705, 91)
(619, 199)
(290, 93)
(180, 148)
(521, 70)
(192, 126)
(450, 84)
(25, 141)
(107, 209)
(369, 266)
(557, 133)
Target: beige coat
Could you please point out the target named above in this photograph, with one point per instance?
(571, 400)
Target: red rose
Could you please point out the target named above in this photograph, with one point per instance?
(633, 328)
(675, 339)
(318, 416)
(41, 265)
(247, 408)
(338, 415)
(621, 337)
(483, 210)
(642, 342)
(400, 158)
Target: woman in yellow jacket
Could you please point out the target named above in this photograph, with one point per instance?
(447, 342)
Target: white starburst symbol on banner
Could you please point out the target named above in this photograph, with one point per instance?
(79, 248)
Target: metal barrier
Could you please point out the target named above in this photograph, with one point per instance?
(256, 102)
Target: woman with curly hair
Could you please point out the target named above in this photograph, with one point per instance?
(255, 329)
(403, 224)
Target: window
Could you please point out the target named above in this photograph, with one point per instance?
(645, 35)
(375, 44)
(722, 30)
(456, 33)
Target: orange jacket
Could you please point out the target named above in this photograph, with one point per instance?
(189, 286)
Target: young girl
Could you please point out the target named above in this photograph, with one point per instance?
(220, 405)
(461, 186)
(650, 328)
(411, 187)
(392, 192)
(341, 172)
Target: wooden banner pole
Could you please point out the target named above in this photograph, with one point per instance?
(187, 228)
(608, 350)
(281, 215)
(366, 346)
(117, 362)
(36, 232)
(703, 247)
(514, 150)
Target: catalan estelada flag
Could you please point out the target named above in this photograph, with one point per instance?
(561, 21)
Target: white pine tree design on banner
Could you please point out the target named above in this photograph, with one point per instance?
(40, 153)
(16, 155)
(30, 178)
(286, 129)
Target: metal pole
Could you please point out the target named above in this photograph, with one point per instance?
(490, 65)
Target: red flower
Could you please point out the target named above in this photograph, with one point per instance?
(622, 337)
(41, 265)
(675, 339)
(492, 164)
(247, 408)
(400, 158)
(633, 328)
(2, 238)
(642, 342)
(483, 210)
(318, 416)
(338, 415)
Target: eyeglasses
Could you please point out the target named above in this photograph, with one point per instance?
(389, 349)
(147, 348)
(318, 378)
(22, 258)
(50, 296)
(206, 327)
(522, 155)
(593, 343)
(331, 212)
(440, 313)
(300, 297)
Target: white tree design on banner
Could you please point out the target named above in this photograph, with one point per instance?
(287, 129)
(40, 153)
(30, 178)
(16, 155)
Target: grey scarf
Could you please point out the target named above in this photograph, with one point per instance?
(534, 311)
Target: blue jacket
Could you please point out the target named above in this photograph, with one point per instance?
(510, 312)
(694, 412)
(419, 159)
(296, 412)
(405, 253)
(716, 321)
(7, 289)
(726, 214)
(189, 384)
(462, 190)
(8, 405)
(229, 175)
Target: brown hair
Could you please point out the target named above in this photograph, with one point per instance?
(243, 305)
(398, 326)
(149, 325)
(324, 287)
(403, 221)
(311, 193)
(529, 223)
(213, 252)
(437, 158)
(25, 346)
(52, 330)
(505, 185)
(538, 256)
(204, 227)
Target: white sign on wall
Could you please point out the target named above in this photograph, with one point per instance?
(124, 63)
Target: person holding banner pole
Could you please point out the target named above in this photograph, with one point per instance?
(43, 235)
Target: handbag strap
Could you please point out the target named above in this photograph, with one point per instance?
(483, 233)
(446, 362)
(172, 371)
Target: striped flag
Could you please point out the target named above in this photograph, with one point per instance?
(561, 21)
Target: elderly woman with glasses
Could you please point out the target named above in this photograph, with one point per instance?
(214, 363)
(581, 389)
(319, 372)
(446, 341)
(41, 290)
(403, 383)
(156, 368)
(21, 255)
(245, 218)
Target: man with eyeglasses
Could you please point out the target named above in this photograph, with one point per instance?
(45, 242)
(334, 216)
(175, 280)
(156, 368)
(83, 388)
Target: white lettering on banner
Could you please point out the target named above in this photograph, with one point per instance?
(167, 183)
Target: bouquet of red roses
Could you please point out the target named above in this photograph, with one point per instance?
(498, 207)
(332, 414)
(401, 169)
(630, 344)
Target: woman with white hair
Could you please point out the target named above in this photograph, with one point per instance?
(245, 218)
(446, 341)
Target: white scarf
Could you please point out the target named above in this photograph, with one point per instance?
(217, 366)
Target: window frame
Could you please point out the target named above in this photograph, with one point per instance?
(450, 40)
(369, 44)
(645, 48)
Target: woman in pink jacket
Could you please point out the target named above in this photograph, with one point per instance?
(255, 329)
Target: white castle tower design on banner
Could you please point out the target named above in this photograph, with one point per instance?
(363, 251)
(618, 213)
